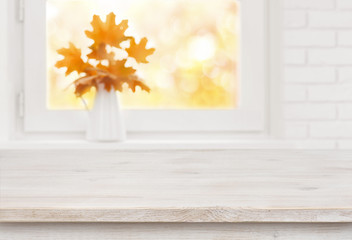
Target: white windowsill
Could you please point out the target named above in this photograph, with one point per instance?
(169, 144)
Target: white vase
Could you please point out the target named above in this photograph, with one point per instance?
(105, 123)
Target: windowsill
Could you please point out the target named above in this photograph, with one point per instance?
(169, 144)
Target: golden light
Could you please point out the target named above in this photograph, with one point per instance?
(194, 65)
(202, 48)
(51, 11)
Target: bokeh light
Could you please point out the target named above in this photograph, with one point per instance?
(195, 65)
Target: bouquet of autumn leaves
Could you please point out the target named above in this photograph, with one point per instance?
(106, 71)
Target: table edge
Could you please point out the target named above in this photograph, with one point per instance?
(178, 215)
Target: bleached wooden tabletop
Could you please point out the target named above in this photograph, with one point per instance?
(175, 186)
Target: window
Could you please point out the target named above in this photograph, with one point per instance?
(209, 72)
(195, 65)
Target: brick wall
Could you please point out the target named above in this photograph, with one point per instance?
(318, 72)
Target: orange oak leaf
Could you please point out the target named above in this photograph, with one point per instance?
(133, 81)
(111, 83)
(84, 84)
(108, 32)
(100, 53)
(117, 68)
(72, 59)
(139, 51)
(106, 70)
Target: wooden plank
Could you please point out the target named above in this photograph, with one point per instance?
(191, 215)
(175, 186)
(108, 231)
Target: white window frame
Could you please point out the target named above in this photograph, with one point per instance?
(4, 81)
(251, 116)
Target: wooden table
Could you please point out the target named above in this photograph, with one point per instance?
(175, 194)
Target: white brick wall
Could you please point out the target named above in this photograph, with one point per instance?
(318, 72)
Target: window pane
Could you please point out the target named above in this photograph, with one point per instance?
(195, 65)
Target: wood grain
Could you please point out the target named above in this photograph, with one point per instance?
(164, 231)
(175, 186)
(187, 215)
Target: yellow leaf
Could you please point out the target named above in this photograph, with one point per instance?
(139, 51)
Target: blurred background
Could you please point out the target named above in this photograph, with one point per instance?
(196, 59)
